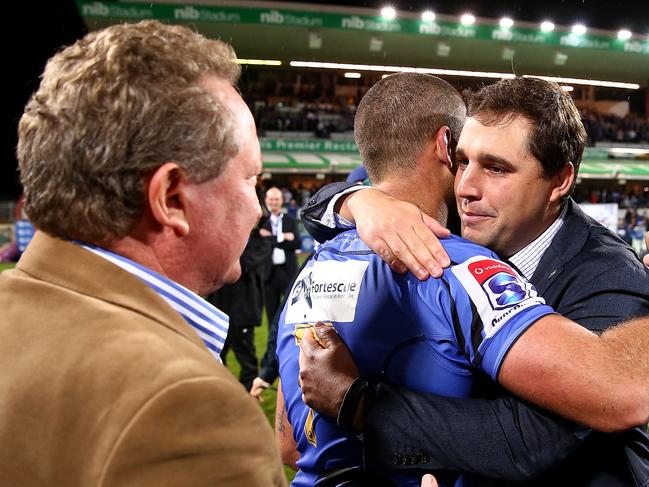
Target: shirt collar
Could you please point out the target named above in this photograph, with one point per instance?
(210, 323)
(527, 259)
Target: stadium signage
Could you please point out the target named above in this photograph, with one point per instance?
(308, 145)
(91, 9)
(278, 18)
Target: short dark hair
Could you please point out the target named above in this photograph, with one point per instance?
(558, 135)
(399, 116)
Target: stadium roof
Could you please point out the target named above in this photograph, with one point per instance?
(287, 32)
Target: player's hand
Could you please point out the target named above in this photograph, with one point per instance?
(403, 236)
(259, 385)
(326, 370)
(428, 481)
(646, 257)
(289, 236)
(265, 233)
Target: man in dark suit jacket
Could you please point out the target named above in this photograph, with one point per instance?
(243, 302)
(586, 272)
(282, 232)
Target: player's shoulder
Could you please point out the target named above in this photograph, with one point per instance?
(347, 241)
(472, 263)
(460, 250)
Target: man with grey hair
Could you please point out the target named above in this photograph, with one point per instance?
(139, 161)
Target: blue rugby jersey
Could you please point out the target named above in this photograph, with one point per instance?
(434, 335)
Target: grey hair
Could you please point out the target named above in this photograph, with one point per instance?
(111, 109)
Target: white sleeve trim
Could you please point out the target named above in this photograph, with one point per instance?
(333, 220)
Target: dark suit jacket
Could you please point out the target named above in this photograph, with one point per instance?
(243, 301)
(589, 275)
(288, 225)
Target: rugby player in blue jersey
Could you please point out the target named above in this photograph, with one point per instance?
(438, 335)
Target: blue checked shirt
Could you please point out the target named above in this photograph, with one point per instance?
(210, 323)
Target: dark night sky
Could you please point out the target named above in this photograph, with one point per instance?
(602, 14)
(46, 26)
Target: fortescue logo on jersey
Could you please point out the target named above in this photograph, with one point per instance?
(302, 290)
(501, 285)
(326, 291)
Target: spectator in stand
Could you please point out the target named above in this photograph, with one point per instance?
(293, 210)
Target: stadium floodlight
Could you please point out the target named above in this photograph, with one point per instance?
(624, 34)
(587, 82)
(352, 75)
(428, 16)
(467, 19)
(388, 13)
(260, 62)
(567, 88)
(399, 69)
(506, 22)
(455, 72)
(547, 26)
(579, 29)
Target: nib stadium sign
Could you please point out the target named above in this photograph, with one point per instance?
(123, 11)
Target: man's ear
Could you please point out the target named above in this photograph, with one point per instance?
(444, 146)
(167, 198)
(563, 182)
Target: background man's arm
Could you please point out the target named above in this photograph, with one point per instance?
(292, 239)
(284, 433)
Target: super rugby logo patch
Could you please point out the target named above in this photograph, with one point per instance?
(498, 292)
(501, 285)
(326, 291)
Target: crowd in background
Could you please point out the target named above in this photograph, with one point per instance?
(631, 197)
(602, 127)
(315, 109)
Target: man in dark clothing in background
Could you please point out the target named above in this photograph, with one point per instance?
(281, 231)
(243, 303)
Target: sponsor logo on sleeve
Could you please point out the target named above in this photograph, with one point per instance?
(498, 292)
(326, 291)
(502, 286)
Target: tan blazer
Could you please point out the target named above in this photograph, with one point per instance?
(103, 384)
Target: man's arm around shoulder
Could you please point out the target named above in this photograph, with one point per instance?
(598, 380)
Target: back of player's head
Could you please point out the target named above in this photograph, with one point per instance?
(399, 116)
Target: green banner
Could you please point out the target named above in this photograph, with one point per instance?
(308, 145)
(593, 153)
(296, 18)
(614, 170)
